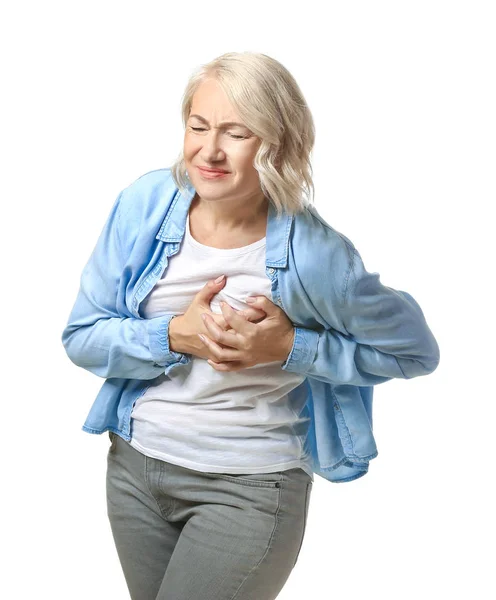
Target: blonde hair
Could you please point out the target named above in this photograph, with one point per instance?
(271, 104)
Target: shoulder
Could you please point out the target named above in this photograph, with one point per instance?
(321, 251)
(153, 187)
(311, 222)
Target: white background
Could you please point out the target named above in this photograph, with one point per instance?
(403, 97)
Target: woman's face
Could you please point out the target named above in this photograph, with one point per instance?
(210, 141)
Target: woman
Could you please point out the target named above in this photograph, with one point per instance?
(240, 337)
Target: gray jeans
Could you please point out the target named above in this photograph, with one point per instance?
(183, 534)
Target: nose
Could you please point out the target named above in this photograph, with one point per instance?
(212, 149)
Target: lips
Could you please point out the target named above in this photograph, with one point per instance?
(212, 174)
(207, 170)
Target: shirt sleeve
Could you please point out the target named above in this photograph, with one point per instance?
(100, 339)
(385, 336)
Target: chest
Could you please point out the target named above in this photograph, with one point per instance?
(191, 268)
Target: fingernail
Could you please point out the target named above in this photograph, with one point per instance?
(204, 317)
(219, 279)
(250, 300)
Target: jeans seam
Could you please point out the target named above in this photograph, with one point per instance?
(307, 497)
(150, 491)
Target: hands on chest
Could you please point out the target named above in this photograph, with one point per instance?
(232, 340)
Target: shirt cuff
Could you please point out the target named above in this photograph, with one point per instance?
(158, 334)
(303, 352)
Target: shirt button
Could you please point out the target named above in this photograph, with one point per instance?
(271, 270)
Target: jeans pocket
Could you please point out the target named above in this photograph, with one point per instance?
(264, 480)
(307, 503)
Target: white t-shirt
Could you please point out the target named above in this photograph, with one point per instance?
(246, 421)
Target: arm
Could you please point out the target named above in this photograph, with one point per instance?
(386, 336)
(98, 337)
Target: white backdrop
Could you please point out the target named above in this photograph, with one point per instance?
(403, 97)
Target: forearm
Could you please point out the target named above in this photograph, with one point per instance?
(330, 356)
(379, 333)
(126, 348)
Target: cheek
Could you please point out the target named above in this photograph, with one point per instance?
(190, 147)
(244, 158)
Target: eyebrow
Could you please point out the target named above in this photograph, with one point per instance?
(224, 124)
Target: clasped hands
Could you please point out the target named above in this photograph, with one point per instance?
(247, 344)
(232, 340)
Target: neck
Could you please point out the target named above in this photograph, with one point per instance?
(229, 215)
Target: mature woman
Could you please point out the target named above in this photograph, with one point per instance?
(240, 337)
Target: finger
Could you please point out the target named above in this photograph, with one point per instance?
(252, 314)
(221, 353)
(209, 290)
(236, 321)
(262, 303)
(218, 366)
(225, 338)
(221, 322)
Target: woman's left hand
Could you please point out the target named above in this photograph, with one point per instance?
(248, 344)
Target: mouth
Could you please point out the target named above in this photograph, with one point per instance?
(212, 173)
(213, 170)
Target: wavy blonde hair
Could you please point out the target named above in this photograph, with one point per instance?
(271, 104)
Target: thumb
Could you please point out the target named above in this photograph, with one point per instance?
(212, 287)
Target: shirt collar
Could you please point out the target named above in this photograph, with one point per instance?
(278, 228)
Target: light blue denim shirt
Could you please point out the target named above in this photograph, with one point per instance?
(351, 331)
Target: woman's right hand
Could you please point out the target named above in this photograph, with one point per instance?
(184, 329)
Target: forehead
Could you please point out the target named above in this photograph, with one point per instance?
(211, 102)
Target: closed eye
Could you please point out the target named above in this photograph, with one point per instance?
(236, 137)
